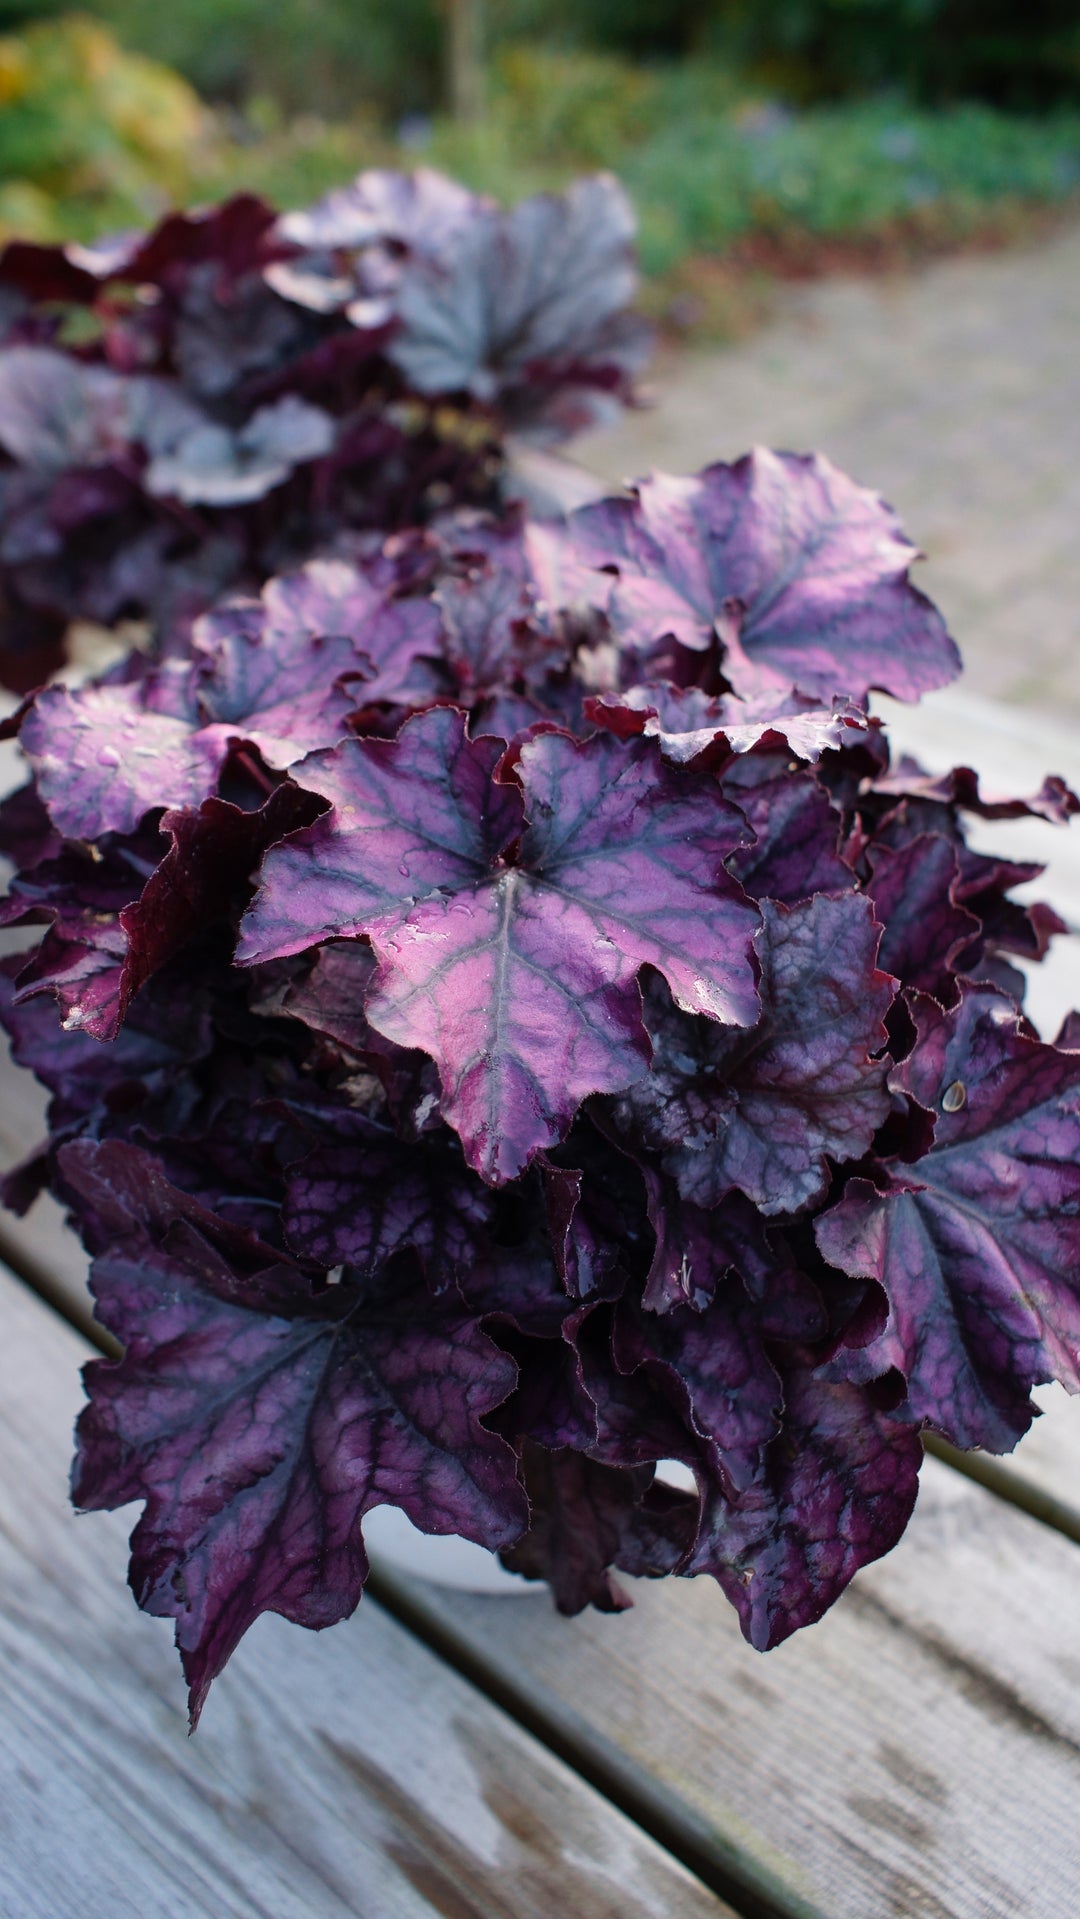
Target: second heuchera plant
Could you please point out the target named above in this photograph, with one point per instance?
(188, 411)
(510, 1024)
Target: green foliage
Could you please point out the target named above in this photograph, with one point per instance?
(706, 168)
(89, 135)
(334, 57)
(842, 172)
(320, 56)
(935, 49)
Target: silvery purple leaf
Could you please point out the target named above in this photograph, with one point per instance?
(249, 1410)
(800, 572)
(422, 211)
(214, 465)
(977, 1244)
(56, 412)
(526, 302)
(284, 674)
(103, 757)
(762, 1111)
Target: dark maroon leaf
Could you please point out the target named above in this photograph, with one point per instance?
(116, 919)
(977, 1244)
(795, 853)
(581, 1513)
(926, 931)
(365, 1195)
(248, 1410)
(697, 1251)
(801, 572)
(761, 1110)
(712, 1363)
(836, 1492)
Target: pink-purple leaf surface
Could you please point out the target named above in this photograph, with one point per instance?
(798, 570)
(511, 922)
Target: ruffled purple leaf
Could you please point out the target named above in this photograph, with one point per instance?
(249, 1410)
(691, 726)
(795, 852)
(761, 1111)
(581, 1515)
(926, 931)
(713, 1365)
(518, 979)
(836, 1491)
(1054, 800)
(115, 920)
(800, 572)
(977, 1244)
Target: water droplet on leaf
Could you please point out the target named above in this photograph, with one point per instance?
(953, 1097)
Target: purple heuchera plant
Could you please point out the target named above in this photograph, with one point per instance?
(546, 1036)
(190, 411)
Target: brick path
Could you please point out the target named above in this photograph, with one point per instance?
(956, 393)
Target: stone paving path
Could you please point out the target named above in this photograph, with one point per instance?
(955, 392)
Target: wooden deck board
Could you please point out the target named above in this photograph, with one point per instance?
(915, 1753)
(348, 1775)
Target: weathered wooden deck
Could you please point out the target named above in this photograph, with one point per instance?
(915, 1756)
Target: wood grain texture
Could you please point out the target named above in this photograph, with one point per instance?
(916, 1755)
(347, 1775)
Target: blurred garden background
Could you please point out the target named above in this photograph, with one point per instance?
(788, 159)
(758, 140)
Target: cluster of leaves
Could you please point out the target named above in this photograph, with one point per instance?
(190, 411)
(547, 1038)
